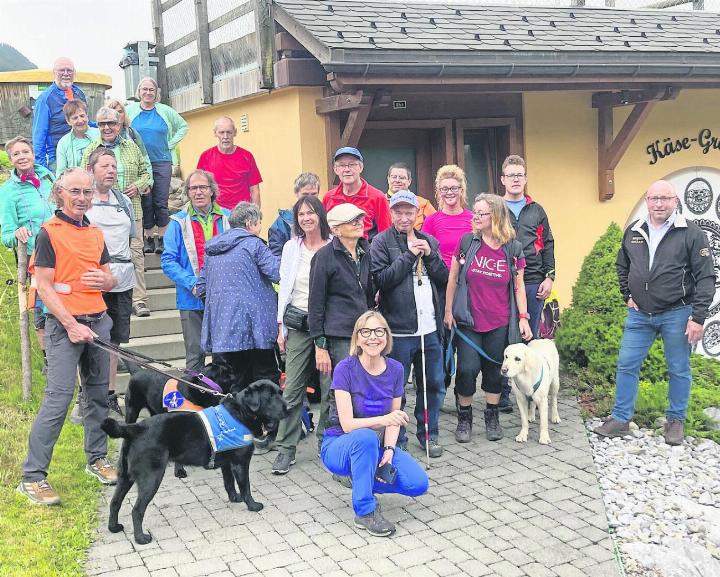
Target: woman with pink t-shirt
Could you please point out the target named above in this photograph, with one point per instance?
(453, 219)
(485, 300)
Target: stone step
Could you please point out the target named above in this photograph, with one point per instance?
(160, 322)
(155, 278)
(161, 347)
(123, 378)
(152, 262)
(161, 299)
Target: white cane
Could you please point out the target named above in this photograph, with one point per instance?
(424, 379)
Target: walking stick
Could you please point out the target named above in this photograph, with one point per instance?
(424, 379)
(25, 357)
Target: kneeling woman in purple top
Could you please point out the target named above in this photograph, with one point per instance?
(365, 419)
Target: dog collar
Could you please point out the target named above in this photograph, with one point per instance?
(536, 386)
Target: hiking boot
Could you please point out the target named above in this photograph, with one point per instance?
(463, 432)
(149, 246)
(493, 430)
(103, 470)
(612, 428)
(282, 463)
(76, 415)
(114, 405)
(375, 524)
(344, 481)
(141, 310)
(505, 404)
(39, 492)
(674, 432)
(436, 449)
(159, 245)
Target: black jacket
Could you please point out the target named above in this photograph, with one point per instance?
(682, 272)
(533, 232)
(340, 289)
(393, 267)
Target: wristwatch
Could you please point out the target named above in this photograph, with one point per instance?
(524, 316)
(321, 342)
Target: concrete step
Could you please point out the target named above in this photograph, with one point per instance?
(155, 278)
(159, 322)
(161, 299)
(161, 347)
(123, 378)
(152, 262)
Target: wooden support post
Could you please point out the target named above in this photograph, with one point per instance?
(332, 141)
(25, 357)
(203, 46)
(356, 122)
(606, 178)
(157, 24)
(265, 33)
(338, 102)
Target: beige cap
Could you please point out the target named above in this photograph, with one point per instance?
(343, 213)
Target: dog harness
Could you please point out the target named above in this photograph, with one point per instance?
(536, 386)
(224, 431)
(173, 400)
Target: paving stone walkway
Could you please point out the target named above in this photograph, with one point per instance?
(498, 509)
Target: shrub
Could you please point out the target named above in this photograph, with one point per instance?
(588, 341)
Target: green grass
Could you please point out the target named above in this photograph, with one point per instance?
(37, 541)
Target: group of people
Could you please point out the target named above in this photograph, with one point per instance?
(356, 290)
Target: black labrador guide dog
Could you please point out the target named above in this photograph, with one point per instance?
(182, 437)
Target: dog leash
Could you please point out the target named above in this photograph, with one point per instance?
(478, 349)
(211, 388)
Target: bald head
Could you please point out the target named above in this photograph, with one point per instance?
(64, 71)
(225, 132)
(662, 200)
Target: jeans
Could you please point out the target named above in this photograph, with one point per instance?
(357, 454)
(64, 359)
(639, 334)
(534, 308)
(299, 371)
(406, 350)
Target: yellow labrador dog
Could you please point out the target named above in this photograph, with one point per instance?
(534, 374)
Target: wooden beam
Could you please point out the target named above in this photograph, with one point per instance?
(356, 122)
(265, 32)
(628, 97)
(338, 102)
(157, 23)
(203, 46)
(332, 141)
(298, 72)
(284, 41)
(611, 150)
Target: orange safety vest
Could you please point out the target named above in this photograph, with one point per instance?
(77, 249)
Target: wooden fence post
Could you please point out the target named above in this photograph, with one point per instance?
(24, 322)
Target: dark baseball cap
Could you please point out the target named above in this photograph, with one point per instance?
(348, 150)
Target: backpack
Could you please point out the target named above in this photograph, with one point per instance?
(550, 317)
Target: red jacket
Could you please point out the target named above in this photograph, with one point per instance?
(370, 199)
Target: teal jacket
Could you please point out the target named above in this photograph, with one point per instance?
(21, 204)
(177, 127)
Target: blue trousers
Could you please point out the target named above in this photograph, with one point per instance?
(639, 334)
(534, 308)
(357, 454)
(406, 350)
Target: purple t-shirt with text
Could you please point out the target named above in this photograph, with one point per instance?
(372, 395)
(488, 281)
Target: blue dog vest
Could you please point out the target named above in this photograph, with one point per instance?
(224, 431)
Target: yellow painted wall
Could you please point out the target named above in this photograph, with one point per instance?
(561, 152)
(286, 137)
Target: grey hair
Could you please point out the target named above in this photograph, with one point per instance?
(210, 180)
(107, 114)
(245, 214)
(60, 182)
(306, 179)
(153, 82)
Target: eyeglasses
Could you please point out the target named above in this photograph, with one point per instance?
(76, 192)
(351, 165)
(408, 214)
(453, 189)
(107, 124)
(398, 177)
(378, 332)
(515, 176)
(199, 188)
(663, 199)
(481, 214)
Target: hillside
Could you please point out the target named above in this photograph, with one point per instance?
(11, 59)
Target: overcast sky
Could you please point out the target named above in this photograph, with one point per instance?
(91, 32)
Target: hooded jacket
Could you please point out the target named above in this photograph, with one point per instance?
(533, 232)
(49, 124)
(682, 272)
(236, 285)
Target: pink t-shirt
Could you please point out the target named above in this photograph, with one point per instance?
(488, 281)
(234, 173)
(448, 229)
